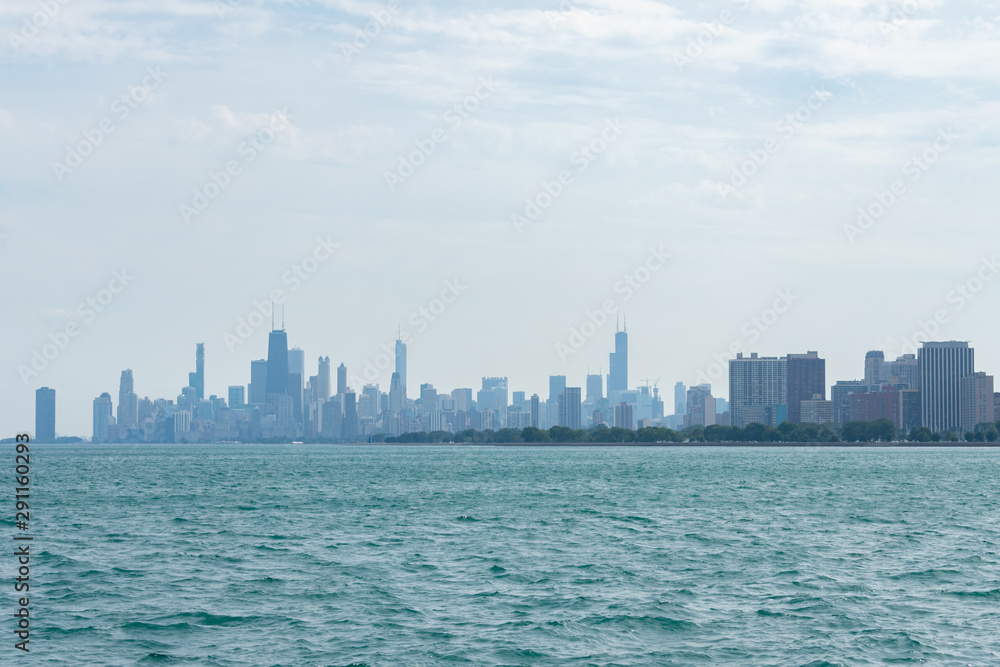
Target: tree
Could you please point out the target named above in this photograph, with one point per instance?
(533, 434)
(562, 434)
(883, 430)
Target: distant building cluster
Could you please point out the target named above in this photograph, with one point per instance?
(938, 389)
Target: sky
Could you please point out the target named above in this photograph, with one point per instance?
(496, 181)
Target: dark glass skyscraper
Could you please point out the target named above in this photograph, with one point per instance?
(45, 415)
(401, 364)
(618, 373)
(277, 362)
(341, 379)
(258, 382)
(806, 381)
(197, 379)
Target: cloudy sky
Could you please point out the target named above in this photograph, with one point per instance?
(700, 166)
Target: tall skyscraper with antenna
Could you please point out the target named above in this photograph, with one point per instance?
(277, 358)
(197, 379)
(401, 364)
(618, 373)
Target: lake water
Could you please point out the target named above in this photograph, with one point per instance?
(396, 555)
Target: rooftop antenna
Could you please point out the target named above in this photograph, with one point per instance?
(272, 314)
(624, 323)
(282, 317)
(616, 323)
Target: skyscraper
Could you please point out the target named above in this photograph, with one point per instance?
(296, 378)
(349, 430)
(569, 408)
(236, 396)
(341, 379)
(618, 372)
(806, 382)
(680, 399)
(758, 390)
(128, 402)
(102, 417)
(700, 406)
(942, 367)
(557, 385)
(874, 361)
(323, 378)
(977, 400)
(534, 410)
(277, 362)
(623, 416)
(401, 364)
(397, 401)
(45, 414)
(595, 388)
(258, 382)
(196, 379)
(903, 372)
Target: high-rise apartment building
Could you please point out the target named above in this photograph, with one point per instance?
(45, 415)
(942, 367)
(806, 382)
(874, 361)
(758, 390)
(570, 407)
(700, 406)
(623, 416)
(102, 417)
(977, 400)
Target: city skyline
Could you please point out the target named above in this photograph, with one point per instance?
(802, 377)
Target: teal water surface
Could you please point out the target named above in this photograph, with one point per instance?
(327, 555)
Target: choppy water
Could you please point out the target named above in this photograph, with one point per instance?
(311, 555)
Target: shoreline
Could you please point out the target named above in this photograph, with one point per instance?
(526, 445)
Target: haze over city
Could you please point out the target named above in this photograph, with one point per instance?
(531, 163)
